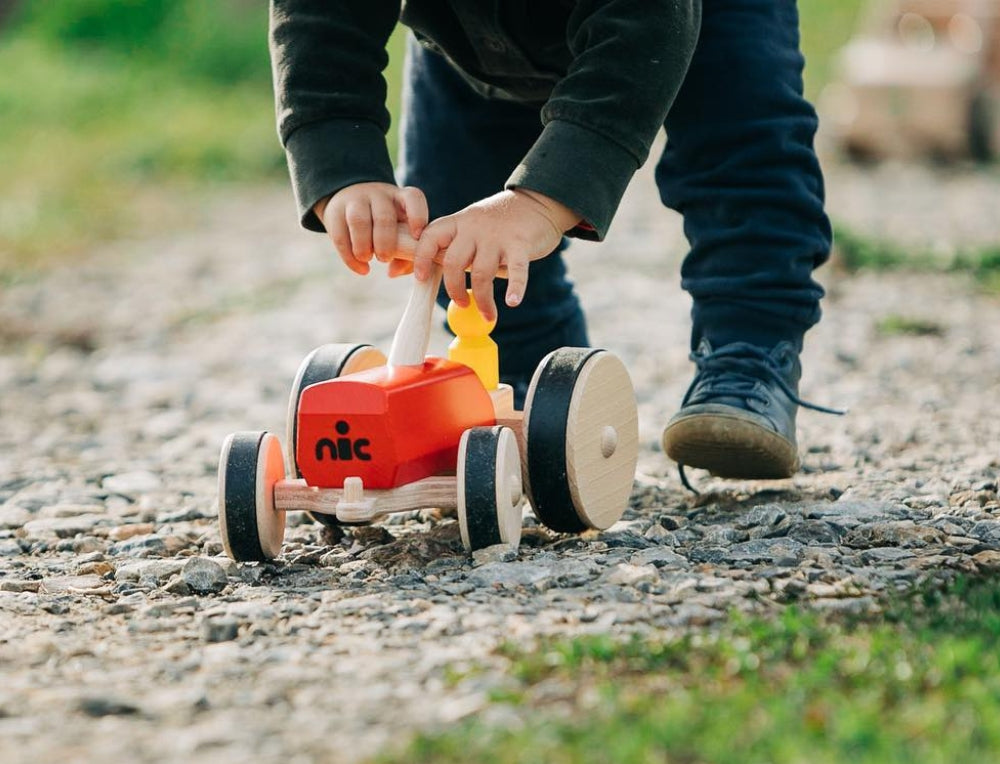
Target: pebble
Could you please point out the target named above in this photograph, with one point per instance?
(131, 483)
(158, 570)
(495, 553)
(204, 576)
(219, 629)
(626, 574)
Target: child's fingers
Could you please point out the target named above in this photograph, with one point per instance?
(359, 223)
(484, 270)
(414, 209)
(517, 280)
(336, 227)
(384, 227)
(435, 238)
(460, 253)
(399, 267)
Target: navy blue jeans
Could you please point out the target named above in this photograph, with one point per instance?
(739, 166)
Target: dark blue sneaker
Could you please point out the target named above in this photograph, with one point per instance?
(737, 419)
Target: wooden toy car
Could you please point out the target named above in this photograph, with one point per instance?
(370, 435)
(922, 80)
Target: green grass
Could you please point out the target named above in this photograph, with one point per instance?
(856, 252)
(128, 116)
(895, 325)
(825, 26)
(919, 683)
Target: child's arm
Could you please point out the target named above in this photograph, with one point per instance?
(327, 59)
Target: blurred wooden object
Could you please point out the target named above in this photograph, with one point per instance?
(921, 80)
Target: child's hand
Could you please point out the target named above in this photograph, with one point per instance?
(362, 221)
(507, 229)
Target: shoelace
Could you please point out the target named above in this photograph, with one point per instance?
(743, 362)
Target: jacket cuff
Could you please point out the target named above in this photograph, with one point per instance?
(581, 169)
(324, 157)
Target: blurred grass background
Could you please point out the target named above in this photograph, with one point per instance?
(120, 117)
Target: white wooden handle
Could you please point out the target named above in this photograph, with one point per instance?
(409, 345)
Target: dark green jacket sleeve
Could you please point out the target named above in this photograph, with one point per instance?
(327, 58)
(629, 60)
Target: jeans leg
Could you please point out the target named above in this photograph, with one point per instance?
(459, 147)
(740, 166)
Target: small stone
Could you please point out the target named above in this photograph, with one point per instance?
(107, 706)
(204, 576)
(72, 584)
(9, 548)
(987, 531)
(672, 523)
(722, 536)
(222, 629)
(122, 532)
(85, 545)
(13, 517)
(814, 532)
(19, 586)
(63, 527)
(658, 533)
(99, 568)
(846, 512)
(693, 614)
(495, 553)
(660, 557)
(131, 483)
(149, 545)
(625, 574)
(371, 535)
(511, 575)
(885, 554)
(905, 533)
(177, 585)
(988, 560)
(765, 515)
(774, 551)
(158, 570)
(628, 539)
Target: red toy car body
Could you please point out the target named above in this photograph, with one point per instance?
(389, 425)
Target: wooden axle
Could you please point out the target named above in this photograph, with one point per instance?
(438, 491)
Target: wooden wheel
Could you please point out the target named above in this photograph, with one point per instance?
(582, 433)
(250, 465)
(324, 363)
(489, 488)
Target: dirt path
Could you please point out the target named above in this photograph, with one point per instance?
(120, 376)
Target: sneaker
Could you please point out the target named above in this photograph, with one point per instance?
(737, 419)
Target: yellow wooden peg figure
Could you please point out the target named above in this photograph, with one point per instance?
(472, 344)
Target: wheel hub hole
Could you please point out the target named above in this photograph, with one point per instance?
(515, 490)
(609, 441)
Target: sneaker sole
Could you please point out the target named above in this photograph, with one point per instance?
(730, 447)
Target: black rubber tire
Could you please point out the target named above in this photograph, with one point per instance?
(324, 363)
(548, 402)
(241, 484)
(489, 486)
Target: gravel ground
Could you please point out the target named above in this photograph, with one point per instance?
(125, 634)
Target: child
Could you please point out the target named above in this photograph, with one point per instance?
(524, 121)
